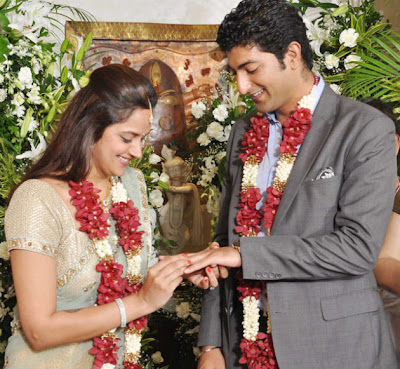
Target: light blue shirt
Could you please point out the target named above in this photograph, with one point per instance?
(266, 171)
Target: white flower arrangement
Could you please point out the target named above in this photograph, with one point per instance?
(349, 37)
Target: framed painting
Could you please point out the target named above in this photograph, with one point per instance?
(183, 63)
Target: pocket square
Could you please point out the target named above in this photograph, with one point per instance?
(325, 173)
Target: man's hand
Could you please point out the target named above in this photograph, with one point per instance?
(211, 360)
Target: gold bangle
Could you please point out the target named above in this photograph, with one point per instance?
(237, 248)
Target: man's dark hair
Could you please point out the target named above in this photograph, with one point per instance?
(271, 25)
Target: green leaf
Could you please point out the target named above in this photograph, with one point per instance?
(64, 74)
(340, 11)
(163, 185)
(4, 4)
(4, 22)
(65, 45)
(4, 50)
(51, 114)
(26, 122)
(88, 41)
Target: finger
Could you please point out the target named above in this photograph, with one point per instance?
(223, 272)
(171, 270)
(214, 245)
(213, 281)
(215, 271)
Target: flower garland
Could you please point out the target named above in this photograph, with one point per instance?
(257, 347)
(95, 222)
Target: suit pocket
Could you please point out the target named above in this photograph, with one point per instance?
(349, 304)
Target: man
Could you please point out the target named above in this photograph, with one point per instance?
(315, 234)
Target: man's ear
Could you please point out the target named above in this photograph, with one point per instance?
(293, 57)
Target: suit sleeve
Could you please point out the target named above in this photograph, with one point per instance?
(364, 205)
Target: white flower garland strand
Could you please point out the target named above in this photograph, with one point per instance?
(104, 251)
(251, 311)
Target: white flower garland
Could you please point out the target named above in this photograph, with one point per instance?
(251, 311)
(104, 251)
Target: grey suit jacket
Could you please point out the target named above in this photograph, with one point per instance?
(326, 312)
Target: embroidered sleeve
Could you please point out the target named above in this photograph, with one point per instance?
(33, 219)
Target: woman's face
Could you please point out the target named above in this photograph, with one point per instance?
(120, 143)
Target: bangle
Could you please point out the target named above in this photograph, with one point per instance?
(122, 312)
(208, 350)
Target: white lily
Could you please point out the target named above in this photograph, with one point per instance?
(35, 152)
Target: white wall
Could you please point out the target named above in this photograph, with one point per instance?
(156, 11)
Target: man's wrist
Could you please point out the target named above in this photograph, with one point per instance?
(206, 349)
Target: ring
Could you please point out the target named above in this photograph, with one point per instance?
(212, 288)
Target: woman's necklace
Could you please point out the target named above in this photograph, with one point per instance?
(95, 222)
(257, 347)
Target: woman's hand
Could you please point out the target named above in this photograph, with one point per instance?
(227, 257)
(162, 279)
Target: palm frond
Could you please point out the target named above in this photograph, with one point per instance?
(378, 75)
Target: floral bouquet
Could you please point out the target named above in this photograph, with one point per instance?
(214, 120)
(338, 34)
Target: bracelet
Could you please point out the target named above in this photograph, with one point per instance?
(237, 248)
(122, 312)
(208, 350)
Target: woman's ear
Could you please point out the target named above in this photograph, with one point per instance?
(397, 137)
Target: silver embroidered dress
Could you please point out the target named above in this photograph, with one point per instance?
(37, 220)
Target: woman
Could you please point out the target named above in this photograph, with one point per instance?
(78, 234)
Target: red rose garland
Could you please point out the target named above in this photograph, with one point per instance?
(257, 348)
(95, 222)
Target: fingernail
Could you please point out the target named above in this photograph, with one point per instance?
(189, 262)
(205, 279)
(185, 255)
(209, 270)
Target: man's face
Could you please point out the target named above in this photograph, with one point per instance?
(261, 76)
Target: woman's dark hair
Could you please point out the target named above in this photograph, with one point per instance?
(113, 93)
(271, 25)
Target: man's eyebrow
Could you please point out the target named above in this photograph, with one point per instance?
(241, 66)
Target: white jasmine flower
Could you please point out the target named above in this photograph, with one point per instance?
(155, 177)
(25, 76)
(349, 61)
(108, 366)
(215, 130)
(18, 99)
(1, 79)
(3, 94)
(349, 37)
(36, 65)
(209, 162)
(331, 61)
(250, 318)
(203, 139)
(227, 132)
(336, 88)
(164, 177)
(183, 310)
(19, 111)
(33, 124)
(250, 172)
(134, 264)
(34, 95)
(198, 109)
(156, 198)
(118, 193)
(154, 159)
(220, 156)
(132, 343)
(220, 113)
(103, 248)
(157, 358)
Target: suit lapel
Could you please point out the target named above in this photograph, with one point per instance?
(321, 126)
